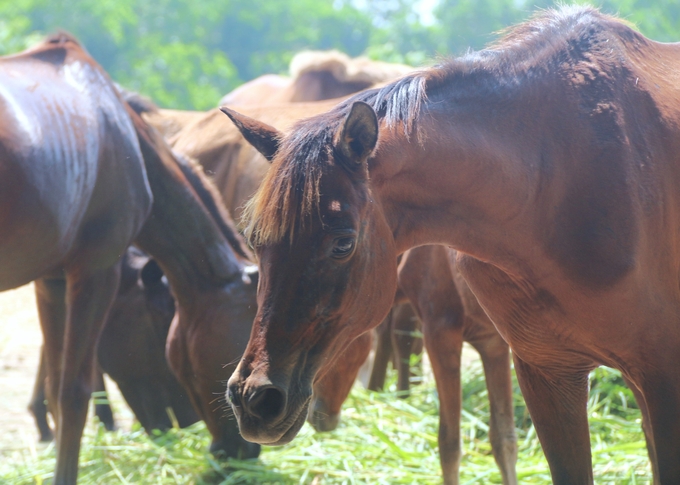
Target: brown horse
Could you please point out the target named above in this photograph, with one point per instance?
(315, 76)
(551, 162)
(191, 236)
(73, 195)
(131, 350)
(79, 168)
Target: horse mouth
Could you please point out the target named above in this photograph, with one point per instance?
(284, 432)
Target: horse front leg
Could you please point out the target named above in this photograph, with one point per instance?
(495, 355)
(557, 401)
(661, 393)
(646, 428)
(88, 299)
(50, 296)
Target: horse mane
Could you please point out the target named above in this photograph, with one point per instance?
(289, 193)
(346, 69)
(198, 181)
(211, 199)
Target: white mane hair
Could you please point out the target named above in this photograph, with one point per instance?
(345, 69)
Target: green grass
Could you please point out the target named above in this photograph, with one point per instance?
(381, 440)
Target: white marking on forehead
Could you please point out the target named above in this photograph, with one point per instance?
(335, 206)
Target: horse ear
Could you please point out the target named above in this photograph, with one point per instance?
(359, 134)
(263, 137)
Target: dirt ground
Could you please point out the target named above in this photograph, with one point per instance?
(20, 340)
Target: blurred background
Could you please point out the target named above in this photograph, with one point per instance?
(187, 53)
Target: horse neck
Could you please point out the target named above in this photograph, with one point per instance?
(465, 183)
(180, 233)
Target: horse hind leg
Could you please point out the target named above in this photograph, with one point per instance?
(88, 299)
(557, 401)
(37, 406)
(495, 356)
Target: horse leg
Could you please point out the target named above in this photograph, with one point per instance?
(646, 428)
(383, 354)
(557, 403)
(662, 397)
(404, 325)
(37, 406)
(88, 299)
(50, 295)
(444, 345)
(102, 409)
(495, 355)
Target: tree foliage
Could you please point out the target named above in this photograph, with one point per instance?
(186, 54)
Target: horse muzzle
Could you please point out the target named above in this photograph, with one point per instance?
(266, 413)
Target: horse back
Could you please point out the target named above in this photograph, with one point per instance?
(73, 184)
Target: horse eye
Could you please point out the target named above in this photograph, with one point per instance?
(343, 247)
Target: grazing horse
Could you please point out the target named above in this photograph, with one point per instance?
(131, 350)
(551, 162)
(73, 195)
(206, 263)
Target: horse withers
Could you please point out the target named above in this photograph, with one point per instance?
(550, 161)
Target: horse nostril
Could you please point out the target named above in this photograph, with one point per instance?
(233, 397)
(267, 403)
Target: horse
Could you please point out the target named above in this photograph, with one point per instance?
(211, 278)
(314, 76)
(83, 177)
(73, 195)
(549, 162)
(131, 350)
